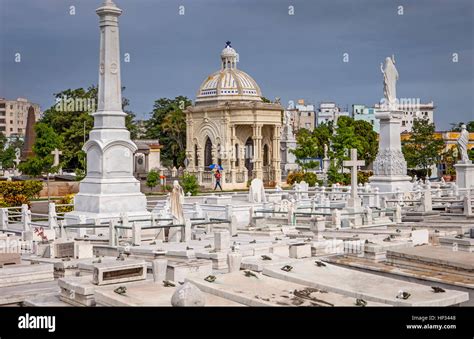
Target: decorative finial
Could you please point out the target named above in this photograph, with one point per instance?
(227, 44)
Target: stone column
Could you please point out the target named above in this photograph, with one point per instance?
(257, 166)
(232, 154)
(276, 154)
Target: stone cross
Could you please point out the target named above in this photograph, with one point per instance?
(56, 154)
(353, 163)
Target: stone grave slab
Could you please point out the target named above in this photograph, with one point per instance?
(77, 291)
(423, 272)
(420, 237)
(219, 259)
(378, 251)
(48, 300)
(439, 257)
(257, 263)
(364, 285)
(178, 271)
(327, 246)
(280, 249)
(19, 293)
(62, 249)
(149, 294)
(261, 290)
(299, 251)
(9, 259)
(463, 244)
(119, 271)
(26, 274)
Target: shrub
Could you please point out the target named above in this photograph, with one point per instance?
(363, 177)
(67, 199)
(311, 178)
(16, 193)
(190, 184)
(152, 179)
(293, 177)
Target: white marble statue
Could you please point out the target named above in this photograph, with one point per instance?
(257, 191)
(176, 206)
(462, 144)
(390, 77)
(287, 118)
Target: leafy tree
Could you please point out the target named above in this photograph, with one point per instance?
(470, 153)
(7, 150)
(422, 150)
(357, 134)
(307, 147)
(311, 144)
(74, 123)
(168, 124)
(46, 141)
(152, 179)
(457, 127)
(190, 184)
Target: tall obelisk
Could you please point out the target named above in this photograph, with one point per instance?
(109, 188)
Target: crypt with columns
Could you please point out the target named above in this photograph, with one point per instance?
(230, 125)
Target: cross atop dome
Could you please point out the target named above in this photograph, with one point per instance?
(227, 44)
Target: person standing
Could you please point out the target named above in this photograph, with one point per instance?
(218, 177)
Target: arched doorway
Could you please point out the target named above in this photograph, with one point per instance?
(208, 153)
(266, 164)
(249, 156)
(266, 157)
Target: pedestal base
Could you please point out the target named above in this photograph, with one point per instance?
(464, 175)
(391, 183)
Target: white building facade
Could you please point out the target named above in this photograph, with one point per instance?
(329, 112)
(14, 114)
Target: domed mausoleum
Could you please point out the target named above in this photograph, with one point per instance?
(230, 125)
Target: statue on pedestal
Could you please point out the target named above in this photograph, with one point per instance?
(390, 77)
(462, 144)
(176, 200)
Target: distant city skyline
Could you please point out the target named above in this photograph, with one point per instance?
(290, 56)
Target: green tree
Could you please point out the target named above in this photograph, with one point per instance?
(456, 127)
(168, 124)
(422, 150)
(74, 122)
(46, 141)
(357, 134)
(307, 147)
(7, 150)
(311, 145)
(152, 179)
(190, 184)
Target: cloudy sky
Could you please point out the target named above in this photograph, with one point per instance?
(290, 56)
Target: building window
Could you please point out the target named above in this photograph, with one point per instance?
(403, 123)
